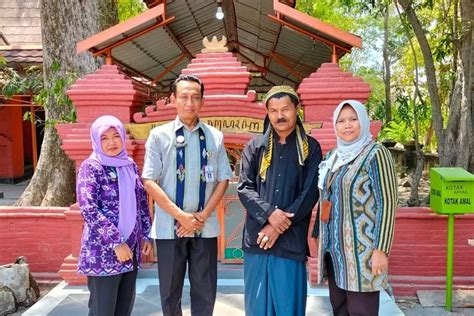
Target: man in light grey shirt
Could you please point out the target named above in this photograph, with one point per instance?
(186, 172)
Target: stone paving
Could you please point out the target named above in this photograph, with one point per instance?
(9, 193)
(72, 300)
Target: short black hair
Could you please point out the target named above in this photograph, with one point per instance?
(280, 95)
(192, 78)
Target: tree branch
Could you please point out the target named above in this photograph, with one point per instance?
(430, 72)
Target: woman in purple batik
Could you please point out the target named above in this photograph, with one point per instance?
(114, 206)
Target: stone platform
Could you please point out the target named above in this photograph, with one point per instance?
(72, 300)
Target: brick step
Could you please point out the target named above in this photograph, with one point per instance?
(215, 60)
(214, 55)
(213, 64)
(216, 68)
(118, 76)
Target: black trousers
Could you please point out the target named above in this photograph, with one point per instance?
(112, 295)
(200, 255)
(347, 302)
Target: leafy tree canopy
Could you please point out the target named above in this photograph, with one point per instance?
(129, 8)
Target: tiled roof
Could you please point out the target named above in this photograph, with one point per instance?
(31, 54)
(20, 21)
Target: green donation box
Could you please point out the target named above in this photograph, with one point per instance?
(452, 192)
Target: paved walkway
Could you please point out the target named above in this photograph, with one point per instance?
(9, 193)
(72, 300)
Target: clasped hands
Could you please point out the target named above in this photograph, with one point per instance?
(124, 253)
(189, 223)
(278, 222)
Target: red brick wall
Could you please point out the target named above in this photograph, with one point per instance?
(40, 234)
(418, 257)
(417, 261)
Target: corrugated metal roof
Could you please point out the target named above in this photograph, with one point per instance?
(283, 48)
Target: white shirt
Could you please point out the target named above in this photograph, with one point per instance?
(160, 165)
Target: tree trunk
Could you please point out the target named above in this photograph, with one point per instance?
(471, 165)
(431, 79)
(459, 131)
(429, 135)
(63, 24)
(414, 197)
(386, 62)
(429, 131)
(415, 183)
(414, 200)
(455, 143)
(466, 132)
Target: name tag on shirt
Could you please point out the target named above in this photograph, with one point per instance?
(326, 207)
(209, 173)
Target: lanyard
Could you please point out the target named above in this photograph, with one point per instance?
(330, 177)
(181, 173)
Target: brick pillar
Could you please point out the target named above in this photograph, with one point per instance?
(222, 73)
(107, 91)
(68, 270)
(321, 93)
(328, 86)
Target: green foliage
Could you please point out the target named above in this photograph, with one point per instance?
(374, 78)
(438, 19)
(31, 82)
(129, 8)
(402, 128)
(366, 62)
(396, 131)
(365, 18)
(327, 10)
(55, 93)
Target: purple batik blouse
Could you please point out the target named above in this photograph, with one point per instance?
(98, 196)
